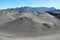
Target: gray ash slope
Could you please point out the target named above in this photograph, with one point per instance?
(29, 24)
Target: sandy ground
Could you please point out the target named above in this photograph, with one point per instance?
(5, 35)
(48, 37)
(22, 29)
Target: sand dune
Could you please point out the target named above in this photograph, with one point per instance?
(29, 26)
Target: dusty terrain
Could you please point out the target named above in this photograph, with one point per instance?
(29, 26)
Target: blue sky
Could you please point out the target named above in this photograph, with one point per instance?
(33, 3)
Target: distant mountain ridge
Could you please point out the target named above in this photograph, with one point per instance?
(31, 9)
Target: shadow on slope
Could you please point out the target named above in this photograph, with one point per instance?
(56, 14)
